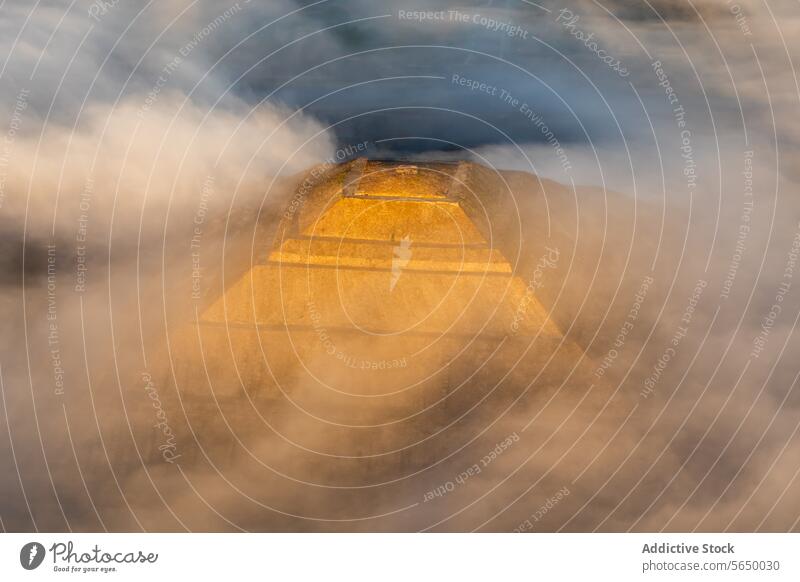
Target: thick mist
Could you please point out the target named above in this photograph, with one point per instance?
(642, 156)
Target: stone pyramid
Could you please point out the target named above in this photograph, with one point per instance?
(382, 305)
(385, 250)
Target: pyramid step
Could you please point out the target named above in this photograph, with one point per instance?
(398, 257)
(376, 219)
(428, 302)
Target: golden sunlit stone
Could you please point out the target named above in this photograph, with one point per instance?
(389, 252)
(382, 301)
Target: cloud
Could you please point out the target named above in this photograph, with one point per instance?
(128, 124)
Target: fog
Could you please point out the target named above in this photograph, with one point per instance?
(657, 156)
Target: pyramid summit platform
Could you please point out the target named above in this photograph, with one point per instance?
(386, 249)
